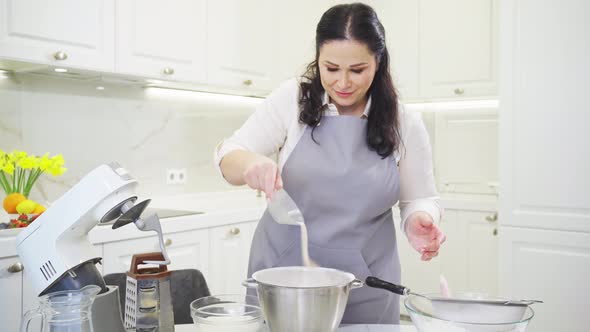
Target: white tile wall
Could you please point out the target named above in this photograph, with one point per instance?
(145, 130)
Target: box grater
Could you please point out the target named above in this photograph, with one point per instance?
(148, 304)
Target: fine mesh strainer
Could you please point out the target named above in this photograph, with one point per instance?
(469, 307)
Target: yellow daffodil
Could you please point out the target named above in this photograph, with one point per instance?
(45, 162)
(26, 162)
(8, 168)
(19, 171)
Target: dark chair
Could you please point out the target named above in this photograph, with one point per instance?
(185, 286)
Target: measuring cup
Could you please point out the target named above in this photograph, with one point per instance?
(284, 211)
(67, 310)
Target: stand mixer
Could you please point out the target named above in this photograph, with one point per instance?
(55, 248)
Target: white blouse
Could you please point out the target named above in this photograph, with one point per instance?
(275, 127)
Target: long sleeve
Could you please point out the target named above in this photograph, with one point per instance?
(266, 129)
(418, 191)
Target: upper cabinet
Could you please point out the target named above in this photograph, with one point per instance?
(67, 33)
(239, 44)
(457, 48)
(163, 42)
(439, 49)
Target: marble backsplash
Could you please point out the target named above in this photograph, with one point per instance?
(146, 130)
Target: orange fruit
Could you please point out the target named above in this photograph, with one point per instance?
(11, 201)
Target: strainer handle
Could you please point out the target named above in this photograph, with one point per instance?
(28, 317)
(250, 283)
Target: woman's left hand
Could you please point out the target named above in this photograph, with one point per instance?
(424, 235)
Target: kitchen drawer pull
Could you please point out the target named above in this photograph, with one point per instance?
(16, 267)
(168, 242)
(234, 231)
(492, 217)
(168, 71)
(247, 82)
(60, 56)
(459, 91)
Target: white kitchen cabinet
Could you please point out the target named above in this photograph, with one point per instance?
(65, 33)
(187, 250)
(229, 253)
(163, 42)
(469, 255)
(11, 281)
(240, 51)
(457, 48)
(466, 151)
(544, 197)
(552, 266)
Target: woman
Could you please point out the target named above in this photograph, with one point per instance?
(347, 153)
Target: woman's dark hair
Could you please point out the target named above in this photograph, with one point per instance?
(356, 22)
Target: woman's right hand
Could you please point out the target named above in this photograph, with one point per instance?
(263, 174)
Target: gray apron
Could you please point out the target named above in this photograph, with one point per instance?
(345, 192)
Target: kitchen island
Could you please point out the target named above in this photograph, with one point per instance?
(350, 328)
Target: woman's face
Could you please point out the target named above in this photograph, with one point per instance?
(347, 68)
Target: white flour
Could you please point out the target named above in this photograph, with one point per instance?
(304, 247)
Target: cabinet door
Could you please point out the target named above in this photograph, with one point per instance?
(38, 30)
(458, 48)
(466, 151)
(187, 250)
(552, 266)
(162, 40)
(239, 44)
(230, 250)
(11, 281)
(482, 253)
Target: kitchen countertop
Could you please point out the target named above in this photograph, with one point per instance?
(350, 328)
(218, 209)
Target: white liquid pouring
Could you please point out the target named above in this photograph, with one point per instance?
(304, 247)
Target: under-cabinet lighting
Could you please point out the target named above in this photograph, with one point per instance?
(100, 88)
(60, 70)
(201, 96)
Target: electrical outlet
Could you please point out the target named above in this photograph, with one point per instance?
(176, 176)
(181, 176)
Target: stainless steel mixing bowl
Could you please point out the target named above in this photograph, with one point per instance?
(303, 299)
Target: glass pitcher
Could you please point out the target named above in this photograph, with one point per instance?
(64, 311)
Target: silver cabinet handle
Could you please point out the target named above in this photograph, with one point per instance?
(492, 217)
(168, 71)
(16, 267)
(459, 91)
(234, 231)
(168, 242)
(60, 56)
(247, 82)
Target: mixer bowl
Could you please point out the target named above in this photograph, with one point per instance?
(428, 318)
(300, 298)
